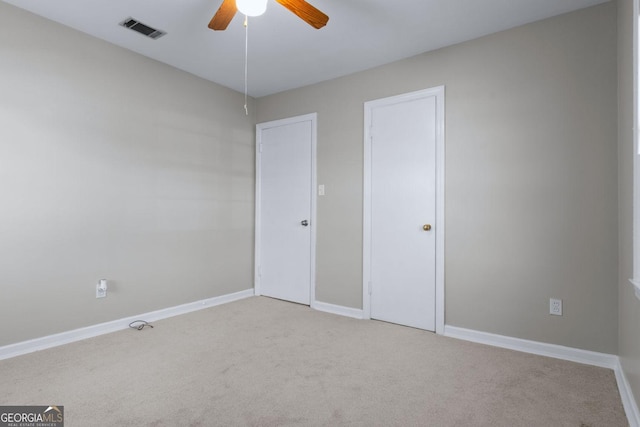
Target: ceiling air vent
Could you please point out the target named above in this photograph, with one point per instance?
(138, 26)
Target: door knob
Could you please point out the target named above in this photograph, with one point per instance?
(304, 222)
(426, 227)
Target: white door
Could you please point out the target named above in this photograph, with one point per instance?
(401, 201)
(285, 207)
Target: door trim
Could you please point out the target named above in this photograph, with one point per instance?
(438, 92)
(313, 118)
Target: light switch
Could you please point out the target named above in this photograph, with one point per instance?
(321, 190)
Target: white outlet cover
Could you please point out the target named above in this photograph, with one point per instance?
(555, 306)
(101, 292)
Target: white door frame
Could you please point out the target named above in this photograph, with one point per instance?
(313, 117)
(439, 228)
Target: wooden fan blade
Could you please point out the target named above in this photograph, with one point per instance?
(223, 16)
(306, 12)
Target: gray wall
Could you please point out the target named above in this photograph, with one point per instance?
(531, 176)
(114, 166)
(629, 306)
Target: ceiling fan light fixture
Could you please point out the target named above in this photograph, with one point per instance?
(252, 7)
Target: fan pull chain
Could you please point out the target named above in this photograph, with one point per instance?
(246, 59)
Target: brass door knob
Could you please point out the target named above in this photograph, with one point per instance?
(426, 227)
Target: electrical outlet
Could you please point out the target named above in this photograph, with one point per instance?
(101, 289)
(555, 306)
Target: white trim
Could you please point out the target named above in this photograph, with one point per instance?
(636, 76)
(366, 217)
(440, 216)
(439, 93)
(534, 347)
(626, 395)
(338, 309)
(314, 206)
(257, 243)
(24, 347)
(313, 118)
(636, 287)
(636, 150)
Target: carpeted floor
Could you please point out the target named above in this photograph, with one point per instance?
(264, 362)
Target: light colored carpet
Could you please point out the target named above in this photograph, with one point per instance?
(263, 362)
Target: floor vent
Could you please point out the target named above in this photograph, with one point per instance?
(138, 26)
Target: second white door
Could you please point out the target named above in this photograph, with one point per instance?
(285, 209)
(402, 209)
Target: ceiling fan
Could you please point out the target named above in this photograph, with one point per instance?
(301, 8)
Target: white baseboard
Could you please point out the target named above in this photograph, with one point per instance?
(559, 352)
(543, 349)
(55, 340)
(337, 309)
(626, 394)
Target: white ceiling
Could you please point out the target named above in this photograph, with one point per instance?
(285, 52)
